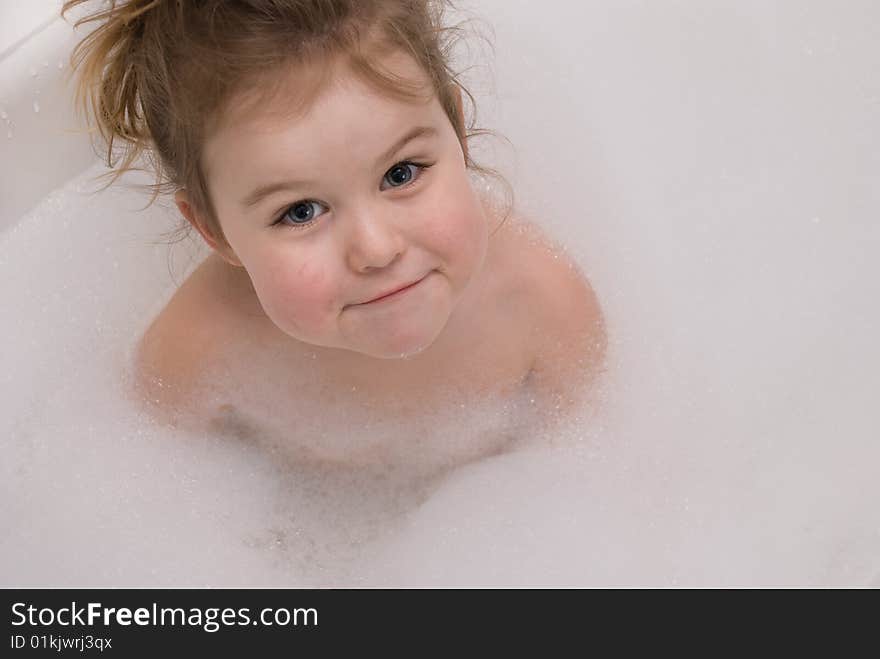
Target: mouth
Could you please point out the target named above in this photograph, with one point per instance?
(392, 294)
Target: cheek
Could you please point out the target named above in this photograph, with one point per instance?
(458, 227)
(295, 293)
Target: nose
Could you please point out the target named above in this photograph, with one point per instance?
(374, 241)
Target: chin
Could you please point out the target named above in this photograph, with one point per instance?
(405, 346)
(398, 351)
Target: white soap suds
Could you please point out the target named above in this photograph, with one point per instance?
(718, 187)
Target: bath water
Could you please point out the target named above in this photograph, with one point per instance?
(715, 176)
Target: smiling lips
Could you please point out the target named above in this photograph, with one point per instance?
(393, 291)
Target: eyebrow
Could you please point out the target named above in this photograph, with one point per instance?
(258, 194)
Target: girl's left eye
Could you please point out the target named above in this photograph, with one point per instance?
(400, 175)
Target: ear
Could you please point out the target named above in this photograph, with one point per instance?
(460, 112)
(218, 244)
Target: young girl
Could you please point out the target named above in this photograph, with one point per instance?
(360, 287)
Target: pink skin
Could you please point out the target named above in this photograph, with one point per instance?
(367, 235)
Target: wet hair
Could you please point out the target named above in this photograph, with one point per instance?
(156, 76)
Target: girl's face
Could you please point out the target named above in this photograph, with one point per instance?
(362, 196)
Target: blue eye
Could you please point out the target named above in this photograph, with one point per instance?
(404, 172)
(302, 215)
(400, 174)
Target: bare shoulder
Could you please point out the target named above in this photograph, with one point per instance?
(563, 304)
(182, 345)
(568, 337)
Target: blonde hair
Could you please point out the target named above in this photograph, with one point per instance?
(156, 75)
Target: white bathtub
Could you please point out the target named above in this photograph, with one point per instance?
(712, 166)
(43, 143)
